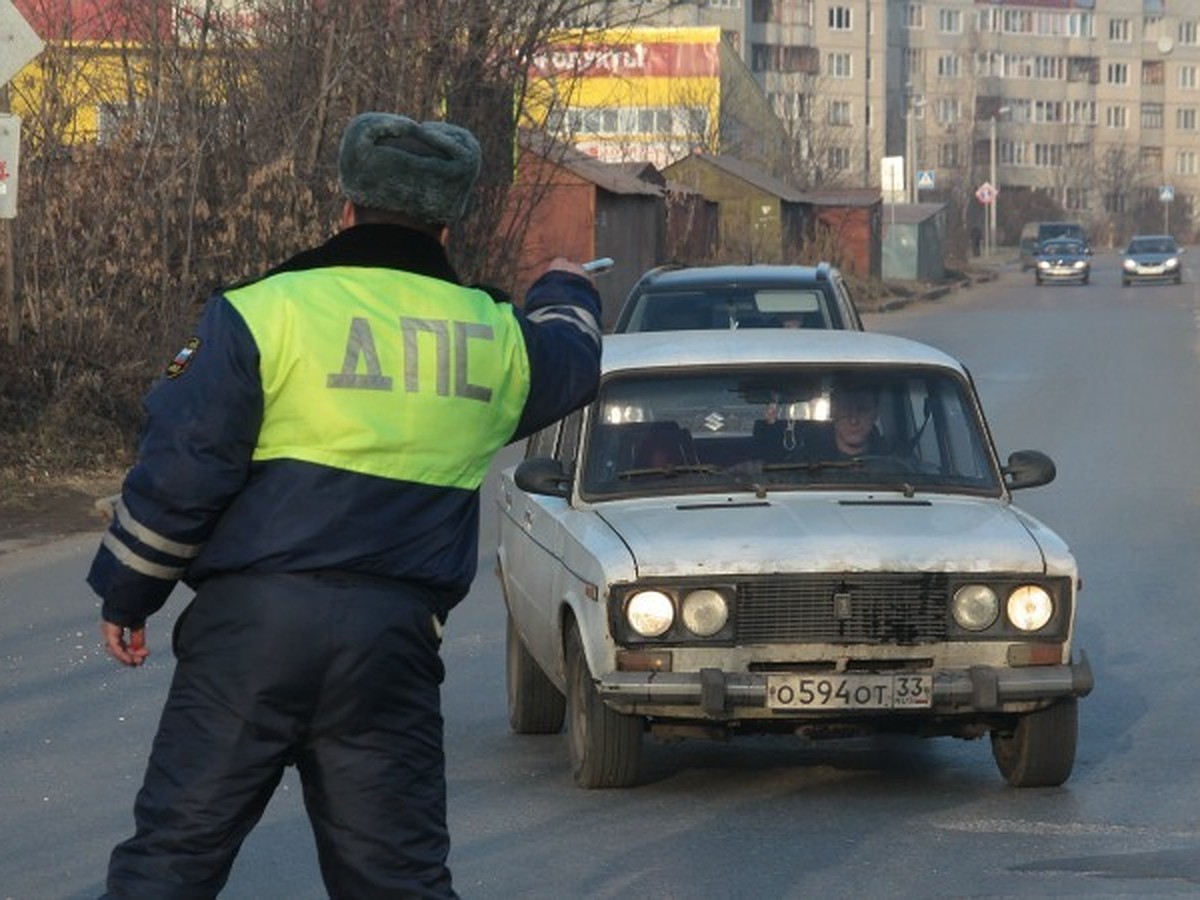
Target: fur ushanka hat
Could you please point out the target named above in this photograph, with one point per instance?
(424, 170)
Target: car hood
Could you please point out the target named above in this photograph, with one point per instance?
(831, 533)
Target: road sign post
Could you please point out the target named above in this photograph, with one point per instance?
(10, 153)
(986, 194)
(1166, 194)
(20, 45)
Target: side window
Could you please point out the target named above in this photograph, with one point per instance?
(847, 304)
(568, 442)
(542, 443)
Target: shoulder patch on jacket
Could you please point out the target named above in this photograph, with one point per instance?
(183, 358)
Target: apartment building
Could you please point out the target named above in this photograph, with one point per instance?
(1094, 102)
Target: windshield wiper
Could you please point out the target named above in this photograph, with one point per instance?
(670, 471)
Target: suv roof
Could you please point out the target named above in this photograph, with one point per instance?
(672, 298)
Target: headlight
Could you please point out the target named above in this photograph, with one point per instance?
(705, 612)
(1029, 607)
(1079, 263)
(975, 607)
(650, 613)
(1042, 264)
(1171, 263)
(1129, 264)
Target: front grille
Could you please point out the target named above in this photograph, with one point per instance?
(847, 608)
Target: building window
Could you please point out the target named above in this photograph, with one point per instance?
(1185, 118)
(949, 110)
(914, 15)
(1012, 153)
(1185, 163)
(838, 65)
(914, 62)
(1119, 31)
(1117, 73)
(1048, 156)
(1017, 21)
(950, 21)
(1116, 117)
(1152, 115)
(1077, 198)
(1153, 71)
(840, 112)
(1187, 77)
(1047, 111)
(1082, 112)
(1188, 33)
(949, 65)
(948, 156)
(839, 18)
(839, 159)
(1050, 68)
(1150, 159)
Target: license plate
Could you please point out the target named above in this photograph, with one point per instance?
(849, 691)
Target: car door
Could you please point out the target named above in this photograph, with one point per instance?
(532, 542)
(851, 320)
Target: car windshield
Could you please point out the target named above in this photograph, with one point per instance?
(780, 428)
(1062, 247)
(1152, 245)
(729, 307)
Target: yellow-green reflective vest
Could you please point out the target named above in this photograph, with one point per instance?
(385, 373)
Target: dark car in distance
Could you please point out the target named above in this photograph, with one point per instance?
(1151, 257)
(672, 298)
(1063, 259)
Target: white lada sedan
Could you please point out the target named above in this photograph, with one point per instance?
(806, 532)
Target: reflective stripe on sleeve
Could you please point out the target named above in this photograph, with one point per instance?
(573, 315)
(139, 564)
(152, 538)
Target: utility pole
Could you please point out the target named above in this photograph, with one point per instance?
(8, 285)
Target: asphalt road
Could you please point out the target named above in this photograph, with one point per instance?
(1105, 380)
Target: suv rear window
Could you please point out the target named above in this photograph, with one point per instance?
(728, 308)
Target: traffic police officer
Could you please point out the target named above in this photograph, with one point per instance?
(311, 466)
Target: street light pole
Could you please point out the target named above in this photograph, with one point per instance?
(909, 168)
(991, 210)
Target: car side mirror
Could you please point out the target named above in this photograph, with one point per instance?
(542, 475)
(1028, 468)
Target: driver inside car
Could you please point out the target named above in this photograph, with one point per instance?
(855, 432)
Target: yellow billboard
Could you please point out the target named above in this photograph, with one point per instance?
(650, 93)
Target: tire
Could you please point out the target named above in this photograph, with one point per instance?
(1036, 280)
(1124, 282)
(535, 705)
(606, 746)
(1040, 750)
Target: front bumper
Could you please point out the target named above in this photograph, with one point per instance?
(1063, 274)
(712, 692)
(1150, 273)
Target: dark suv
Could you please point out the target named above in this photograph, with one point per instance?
(749, 296)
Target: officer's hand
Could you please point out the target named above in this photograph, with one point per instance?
(128, 650)
(562, 264)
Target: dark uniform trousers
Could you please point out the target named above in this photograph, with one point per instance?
(336, 674)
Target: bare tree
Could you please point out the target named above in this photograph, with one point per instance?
(210, 156)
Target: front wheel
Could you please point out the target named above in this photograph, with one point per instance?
(1039, 751)
(535, 705)
(606, 746)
